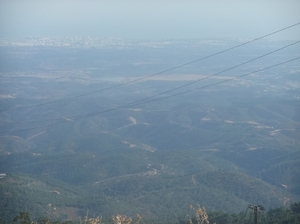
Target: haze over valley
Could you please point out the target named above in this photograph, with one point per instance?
(113, 126)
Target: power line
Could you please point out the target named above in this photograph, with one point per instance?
(132, 104)
(218, 73)
(154, 74)
(217, 83)
(176, 88)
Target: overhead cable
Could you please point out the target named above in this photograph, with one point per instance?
(173, 89)
(132, 104)
(154, 74)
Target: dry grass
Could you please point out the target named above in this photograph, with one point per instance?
(201, 215)
(122, 219)
(118, 219)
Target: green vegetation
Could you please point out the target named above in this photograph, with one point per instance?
(198, 215)
(225, 146)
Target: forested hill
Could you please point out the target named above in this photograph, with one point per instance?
(78, 133)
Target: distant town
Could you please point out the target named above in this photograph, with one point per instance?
(98, 42)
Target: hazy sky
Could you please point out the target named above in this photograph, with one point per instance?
(149, 19)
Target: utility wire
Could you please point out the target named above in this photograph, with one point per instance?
(132, 104)
(217, 83)
(176, 88)
(154, 74)
(218, 73)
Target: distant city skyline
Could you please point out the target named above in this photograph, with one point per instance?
(149, 19)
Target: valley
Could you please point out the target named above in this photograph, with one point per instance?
(93, 129)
